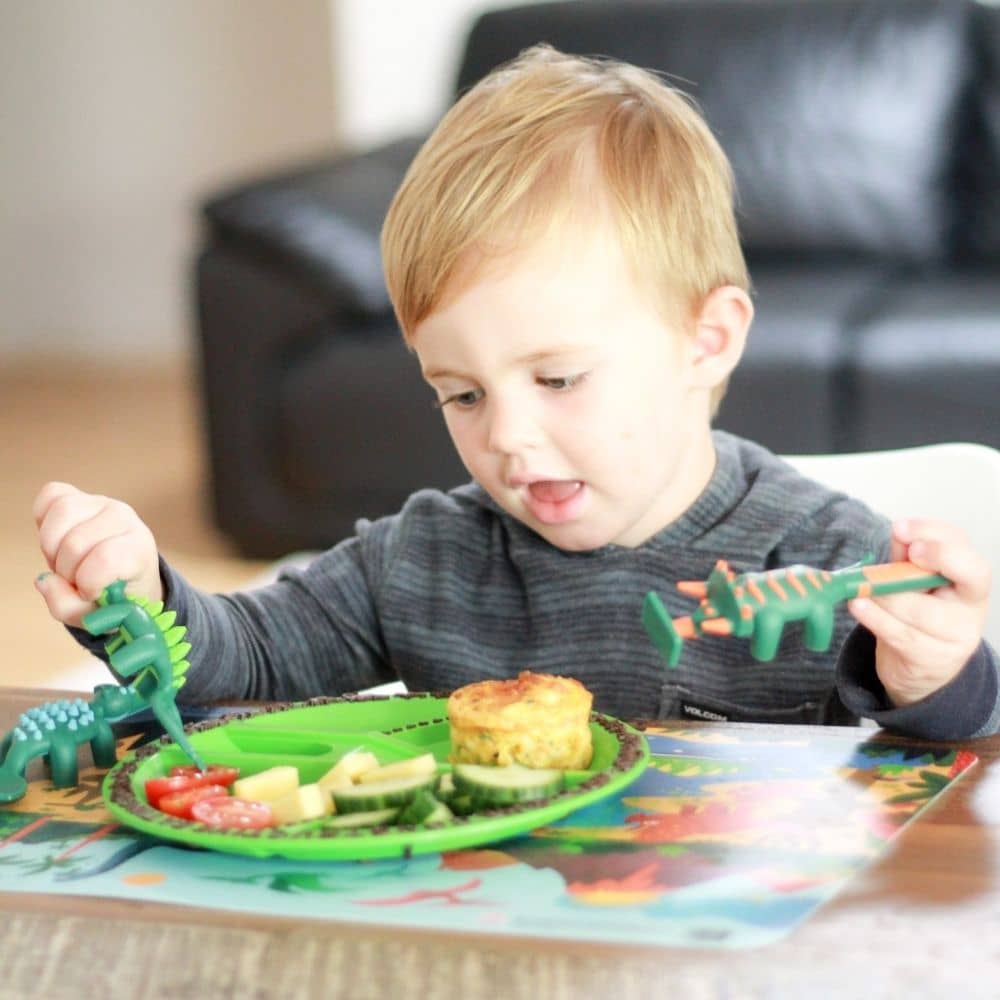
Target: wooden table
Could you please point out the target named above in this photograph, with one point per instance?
(924, 922)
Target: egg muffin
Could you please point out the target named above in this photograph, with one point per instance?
(537, 720)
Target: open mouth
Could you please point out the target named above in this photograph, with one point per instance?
(554, 490)
(555, 501)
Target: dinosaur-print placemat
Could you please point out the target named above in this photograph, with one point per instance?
(729, 839)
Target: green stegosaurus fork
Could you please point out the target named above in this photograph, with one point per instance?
(146, 647)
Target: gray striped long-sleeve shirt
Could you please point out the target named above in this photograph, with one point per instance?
(452, 590)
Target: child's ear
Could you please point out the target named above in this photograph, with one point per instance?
(720, 333)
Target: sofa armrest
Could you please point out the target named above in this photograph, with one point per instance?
(321, 223)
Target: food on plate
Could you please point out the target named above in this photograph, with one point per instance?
(180, 804)
(230, 813)
(360, 820)
(348, 769)
(183, 779)
(426, 809)
(526, 722)
(266, 786)
(367, 796)
(537, 720)
(489, 786)
(424, 765)
(305, 802)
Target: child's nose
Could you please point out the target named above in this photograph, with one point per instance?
(512, 427)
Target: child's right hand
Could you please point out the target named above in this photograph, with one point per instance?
(89, 541)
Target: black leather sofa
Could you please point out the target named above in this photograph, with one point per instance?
(865, 138)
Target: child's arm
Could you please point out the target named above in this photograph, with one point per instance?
(924, 639)
(314, 631)
(88, 541)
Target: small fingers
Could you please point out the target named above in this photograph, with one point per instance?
(64, 603)
(129, 556)
(884, 625)
(88, 542)
(105, 536)
(95, 549)
(909, 529)
(922, 640)
(945, 549)
(901, 619)
(60, 514)
(49, 493)
(119, 557)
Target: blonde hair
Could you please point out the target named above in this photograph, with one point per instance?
(517, 150)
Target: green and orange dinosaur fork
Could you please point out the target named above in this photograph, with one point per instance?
(759, 605)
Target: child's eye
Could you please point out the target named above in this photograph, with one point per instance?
(562, 383)
(463, 400)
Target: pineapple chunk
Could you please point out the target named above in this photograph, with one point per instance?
(348, 769)
(423, 765)
(266, 786)
(305, 802)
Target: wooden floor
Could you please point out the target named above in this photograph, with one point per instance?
(133, 435)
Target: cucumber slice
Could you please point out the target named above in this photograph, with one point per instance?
(462, 805)
(504, 786)
(424, 808)
(352, 821)
(440, 815)
(446, 786)
(380, 794)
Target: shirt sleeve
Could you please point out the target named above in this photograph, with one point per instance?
(967, 706)
(315, 631)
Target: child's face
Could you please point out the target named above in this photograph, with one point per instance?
(570, 398)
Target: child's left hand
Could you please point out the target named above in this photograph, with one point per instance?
(924, 639)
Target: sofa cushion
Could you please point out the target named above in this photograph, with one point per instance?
(360, 395)
(321, 223)
(917, 377)
(795, 352)
(838, 115)
(981, 235)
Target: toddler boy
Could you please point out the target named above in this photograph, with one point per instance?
(564, 262)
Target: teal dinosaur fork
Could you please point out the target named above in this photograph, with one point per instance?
(760, 605)
(146, 647)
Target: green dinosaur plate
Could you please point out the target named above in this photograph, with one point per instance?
(313, 735)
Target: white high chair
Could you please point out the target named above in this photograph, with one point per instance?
(955, 482)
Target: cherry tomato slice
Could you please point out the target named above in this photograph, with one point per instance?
(216, 774)
(219, 774)
(180, 803)
(156, 788)
(184, 779)
(232, 814)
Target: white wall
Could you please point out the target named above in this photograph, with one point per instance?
(395, 62)
(117, 116)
